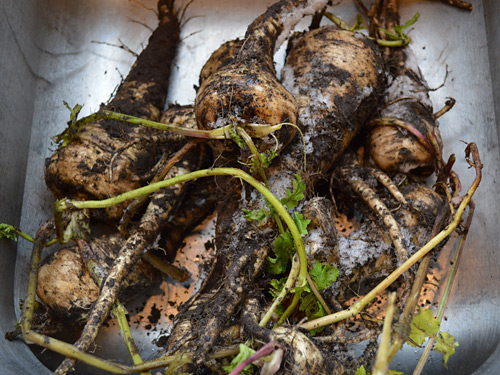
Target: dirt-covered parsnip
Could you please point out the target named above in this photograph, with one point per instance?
(337, 78)
(67, 287)
(109, 157)
(404, 136)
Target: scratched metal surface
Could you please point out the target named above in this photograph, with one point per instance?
(48, 56)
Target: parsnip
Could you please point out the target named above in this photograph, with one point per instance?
(337, 78)
(404, 136)
(109, 157)
(66, 286)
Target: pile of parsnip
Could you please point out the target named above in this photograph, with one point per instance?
(328, 182)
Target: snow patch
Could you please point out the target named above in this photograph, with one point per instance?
(294, 16)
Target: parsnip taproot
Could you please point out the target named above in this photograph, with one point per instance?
(337, 78)
(108, 157)
(66, 286)
(404, 136)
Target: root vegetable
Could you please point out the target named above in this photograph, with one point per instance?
(108, 157)
(161, 207)
(337, 78)
(66, 286)
(304, 356)
(226, 54)
(404, 136)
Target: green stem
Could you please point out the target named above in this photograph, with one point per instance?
(28, 238)
(393, 43)
(36, 256)
(317, 294)
(253, 149)
(121, 317)
(119, 313)
(400, 335)
(66, 204)
(382, 361)
(166, 268)
(446, 293)
(290, 308)
(290, 282)
(255, 130)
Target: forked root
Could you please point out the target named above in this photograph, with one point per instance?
(350, 174)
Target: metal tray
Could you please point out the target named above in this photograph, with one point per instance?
(48, 56)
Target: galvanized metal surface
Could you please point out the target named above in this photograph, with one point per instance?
(48, 56)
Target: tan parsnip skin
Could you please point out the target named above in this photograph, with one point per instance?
(394, 147)
(66, 286)
(225, 55)
(337, 78)
(247, 89)
(111, 157)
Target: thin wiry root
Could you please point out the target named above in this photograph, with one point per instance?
(379, 208)
(387, 182)
(339, 336)
(458, 4)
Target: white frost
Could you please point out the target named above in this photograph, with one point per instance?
(291, 19)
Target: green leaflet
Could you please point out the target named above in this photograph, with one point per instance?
(69, 134)
(423, 325)
(445, 344)
(292, 198)
(262, 161)
(244, 353)
(290, 201)
(283, 247)
(276, 286)
(323, 274)
(256, 215)
(8, 231)
(301, 223)
(398, 38)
